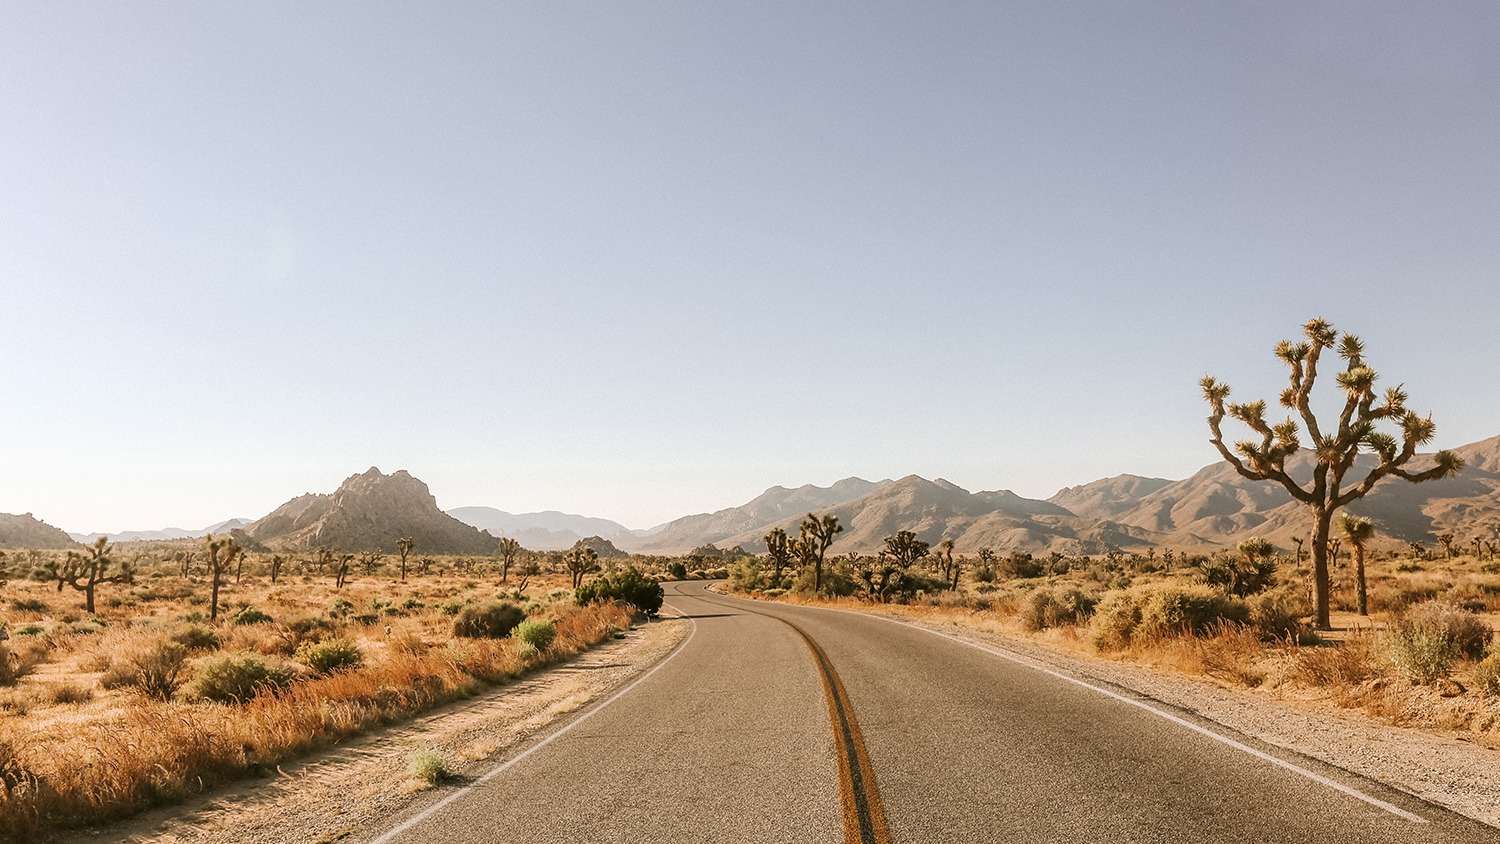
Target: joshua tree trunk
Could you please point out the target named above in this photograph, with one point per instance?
(1359, 579)
(1322, 588)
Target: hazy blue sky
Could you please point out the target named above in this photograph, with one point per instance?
(642, 259)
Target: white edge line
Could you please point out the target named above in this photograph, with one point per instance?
(1245, 748)
(506, 765)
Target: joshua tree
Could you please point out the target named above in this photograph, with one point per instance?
(1299, 542)
(529, 569)
(944, 556)
(403, 547)
(1334, 451)
(1418, 550)
(879, 575)
(221, 551)
(369, 561)
(905, 548)
(1446, 540)
(277, 561)
(1478, 549)
(325, 558)
(341, 565)
(778, 553)
(85, 571)
(425, 564)
(508, 549)
(1359, 532)
(814, 536)
(1335, 545)
(580, 561)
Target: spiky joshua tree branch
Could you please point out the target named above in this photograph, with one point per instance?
(1334, 451)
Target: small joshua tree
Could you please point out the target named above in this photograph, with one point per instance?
(944, 557)
(1333, 451)
(508, 549)
(341, 565)
(581, 560)
(905, 548)
(221, 551)
(1446, 541)
(85, 571)
(404, 546)
(277, 561)
(1359, 532)
(814, 536)
(778, 554)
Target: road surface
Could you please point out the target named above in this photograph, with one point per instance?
(777, 723)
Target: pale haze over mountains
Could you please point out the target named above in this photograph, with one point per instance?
(1214, 507)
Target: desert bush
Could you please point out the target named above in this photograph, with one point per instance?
(251, 615)
(745, 575)
(19, 659)
(196, 637)
(237, 677)
(29, 605)
(627, 584)
(983, 573)
(70, 692)
(1346, 664)
(1162, 611)
(491, 620)
(1487, 675)
(677, 570)
(1046, 608)
(428, 765)
(330, 655)
(1019, 565)
(536, 633)
(1470, 635)
(1279, 613)
(155, 669)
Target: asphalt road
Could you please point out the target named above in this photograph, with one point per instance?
(777, 723)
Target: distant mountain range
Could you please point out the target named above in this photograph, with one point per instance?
(548, 530)
(1213, 508)
(163, 534)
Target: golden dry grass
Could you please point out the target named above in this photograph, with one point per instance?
(74, 752)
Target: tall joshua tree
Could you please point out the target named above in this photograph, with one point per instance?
(815, 534)
(905, 548)
(1333, 451)
(581, 560)
(1359, 532)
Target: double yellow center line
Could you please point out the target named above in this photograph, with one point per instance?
(859, 796)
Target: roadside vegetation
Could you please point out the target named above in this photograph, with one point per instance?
(202, 663)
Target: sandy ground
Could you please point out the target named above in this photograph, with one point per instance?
(354, 791)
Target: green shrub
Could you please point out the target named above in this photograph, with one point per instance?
(155, 670)
(329, 656)
(1470, 635)
(491, 620)
(536, 633)
(627, 584)
(29, 605)
(340, 608)
(237, 677)
(1046, 608)
(1429, 637)
(1237, 575)
(251, 615)
(1487, 676)
(745, 575)
(428, 765)
(452, 607)
(29, 630)
(196, 637)
(677, 570)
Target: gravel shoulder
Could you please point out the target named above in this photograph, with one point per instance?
(354, 791)
(1442, 768)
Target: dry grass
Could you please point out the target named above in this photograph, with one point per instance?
(93, 726)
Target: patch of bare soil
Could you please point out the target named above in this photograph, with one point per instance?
(353, 792)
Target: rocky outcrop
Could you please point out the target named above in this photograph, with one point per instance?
(369, 512)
